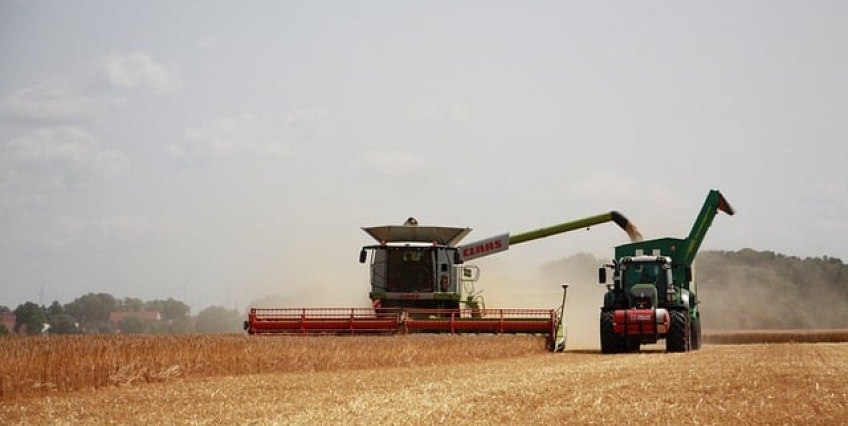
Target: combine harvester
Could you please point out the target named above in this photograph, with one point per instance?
(653, 295)
(420, 284)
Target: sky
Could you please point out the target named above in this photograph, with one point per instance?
(217, 151)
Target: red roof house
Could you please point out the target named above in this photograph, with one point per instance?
(8, 319)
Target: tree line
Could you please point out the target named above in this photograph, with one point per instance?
(91, 313)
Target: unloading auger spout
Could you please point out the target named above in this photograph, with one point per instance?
(501, 242)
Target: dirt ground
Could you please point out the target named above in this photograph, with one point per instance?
(720, 384)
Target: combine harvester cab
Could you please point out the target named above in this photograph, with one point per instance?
(653, 294)
(421, 284)
(419, 272)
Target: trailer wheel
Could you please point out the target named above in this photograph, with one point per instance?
(677, 339)
(695, 334)
(611, 343)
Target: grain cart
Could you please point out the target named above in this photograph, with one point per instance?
(653, 294)
(421, 284)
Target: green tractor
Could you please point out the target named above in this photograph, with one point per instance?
(653, 294)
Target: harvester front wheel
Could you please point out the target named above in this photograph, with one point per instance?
(611, 343)
(677, 339)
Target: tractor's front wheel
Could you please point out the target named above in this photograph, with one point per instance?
(677, 339)
(611, 343)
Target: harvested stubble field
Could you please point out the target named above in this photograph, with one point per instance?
(411, 380)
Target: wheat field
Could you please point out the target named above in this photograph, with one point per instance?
(457, 380)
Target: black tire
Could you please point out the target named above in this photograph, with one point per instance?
(611, 343)
(695, 334)
(677, 338)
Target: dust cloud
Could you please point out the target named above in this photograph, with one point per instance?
(584, 298)
(339, 287)
(737, 294)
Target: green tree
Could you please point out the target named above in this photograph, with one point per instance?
(29, 319)
(131, 325)
(63, 324)
(131, 304)
(92, 310)
(180, 326)
(170, 309)
(55, 308)
(217, 319)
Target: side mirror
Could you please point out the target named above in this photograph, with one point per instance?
(471, 273)
(363, 255)
(457, 258)
(688, 274)
(602, 275)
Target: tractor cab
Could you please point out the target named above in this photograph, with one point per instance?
(640, 281)
(645, 278)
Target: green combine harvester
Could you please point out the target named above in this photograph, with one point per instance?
(653, 294)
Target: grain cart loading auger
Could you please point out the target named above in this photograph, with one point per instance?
(653, 295)
(420, 284)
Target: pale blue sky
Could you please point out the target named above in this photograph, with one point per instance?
(218, 151)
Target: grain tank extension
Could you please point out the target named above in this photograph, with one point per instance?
(653, 294)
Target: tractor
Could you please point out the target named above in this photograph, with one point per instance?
(653, 294)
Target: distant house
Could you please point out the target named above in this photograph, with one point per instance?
(8, 319)
(115, 318)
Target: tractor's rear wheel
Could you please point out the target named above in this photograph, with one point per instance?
(677, 339)
(695, 334)
(611, 343)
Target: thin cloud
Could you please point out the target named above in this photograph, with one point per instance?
(432, 109)
(605, 185)
(108, 232)
(139, 71)
(53, 101)
(305, 116)
(58, 158)
(125, 231)
(241, 134)
(393, 163)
